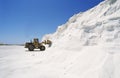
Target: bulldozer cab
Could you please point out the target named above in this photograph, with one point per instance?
(36, 42)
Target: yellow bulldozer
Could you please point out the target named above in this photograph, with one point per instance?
(36, 45)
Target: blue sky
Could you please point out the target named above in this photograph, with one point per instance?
(22, 20)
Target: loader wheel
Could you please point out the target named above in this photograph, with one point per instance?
(31, 48)
(42, 48)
